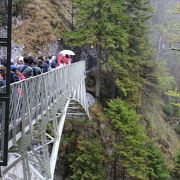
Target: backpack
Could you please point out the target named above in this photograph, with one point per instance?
(35, 71)
(21, 75)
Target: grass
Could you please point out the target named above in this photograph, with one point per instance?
(161, 131)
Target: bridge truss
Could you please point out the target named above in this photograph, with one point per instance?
(38, 109)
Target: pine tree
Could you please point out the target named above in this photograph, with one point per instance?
(118, 31)
(82, 153)
(129, 151)
(85, 163)
(157, 165)
(101, 24)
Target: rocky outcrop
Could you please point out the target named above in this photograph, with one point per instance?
(43, 23)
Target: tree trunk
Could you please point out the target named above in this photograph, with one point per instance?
(123, 174)
(114, 167)
(112, 88)
(72, 17)
(98, 72)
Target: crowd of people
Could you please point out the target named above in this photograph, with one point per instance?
(28, 66)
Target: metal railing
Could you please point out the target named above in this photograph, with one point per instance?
(34, 103)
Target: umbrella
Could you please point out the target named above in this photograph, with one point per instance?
(68, 52)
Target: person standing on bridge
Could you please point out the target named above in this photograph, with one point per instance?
(68, 58)
(36, 69)
(62, 61)
(15, 74)
(26, 68)
(53, 62)
(2, 75)
(44, 66)
(19, 60)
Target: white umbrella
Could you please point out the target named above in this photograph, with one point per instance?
(68, 52)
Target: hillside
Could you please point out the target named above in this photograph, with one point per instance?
(40, 22)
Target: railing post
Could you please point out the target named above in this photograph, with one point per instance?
(28, 103)
(14, 115)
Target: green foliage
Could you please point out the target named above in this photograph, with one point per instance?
(173, 93)
(173, 107)
(129, 150)
(176, 170)
(177, 129)
(117, 143)
(176, 97)
(165, 80)
(157, 165)
(117, 30)
(82, 153)
(102, 24)
(95, 24)
(169, 110)
(86, 162)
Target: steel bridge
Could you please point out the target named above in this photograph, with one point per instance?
(38, 109)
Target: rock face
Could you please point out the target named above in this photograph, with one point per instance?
(42, 23)
(90, 99)
(3, 34)
(90, 56)
(16, 50)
